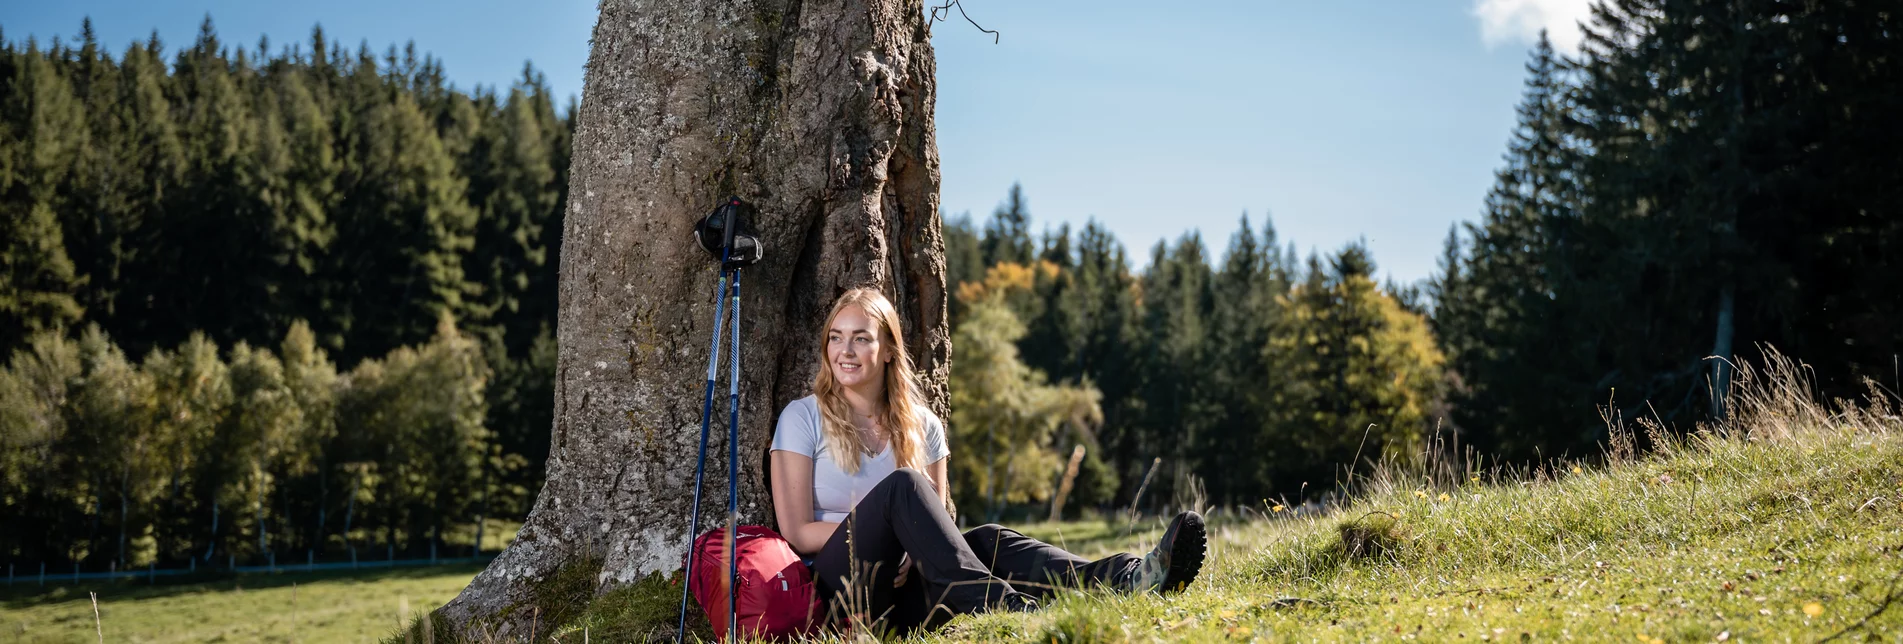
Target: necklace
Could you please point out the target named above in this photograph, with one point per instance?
(871, 437)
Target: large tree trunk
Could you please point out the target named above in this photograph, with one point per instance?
(819, 113)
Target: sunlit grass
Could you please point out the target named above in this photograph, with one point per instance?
(1746, 541)
(331, 606)
(1786, 524)
(326, 607)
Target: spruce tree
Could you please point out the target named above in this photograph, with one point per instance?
(1007, 236)
(1359, 375)
(1494, 311)
(403, 224)
(44, 133)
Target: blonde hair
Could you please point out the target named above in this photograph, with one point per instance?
(902, 399)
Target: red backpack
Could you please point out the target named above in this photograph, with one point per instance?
(777, 596)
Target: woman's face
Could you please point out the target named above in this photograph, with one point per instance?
(853, 350)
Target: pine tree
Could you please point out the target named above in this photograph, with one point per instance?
(1241, 315)
(44, 131)
(1007, 235)
(516, 199)
(964, 260)
(1359, 375)
(1494, 310)
(403, 224)
(1107, 305)
(147, 160)
(1053, 341)
(1179, 410)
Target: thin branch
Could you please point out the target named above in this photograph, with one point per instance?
(941, 12)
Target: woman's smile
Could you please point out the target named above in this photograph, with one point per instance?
(854, 350)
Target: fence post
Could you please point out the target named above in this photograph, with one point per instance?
(271, 561)
(390, 553)
(42, 573)
(151, 572)
(353, 557)
(231, 562)
(193, 566)
(310, 560)
(75, 572)
(432, 553)
(9, 575)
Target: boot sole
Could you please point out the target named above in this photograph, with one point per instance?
(1187, 549)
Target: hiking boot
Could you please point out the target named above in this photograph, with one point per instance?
(1015, 602)
(1174, 562)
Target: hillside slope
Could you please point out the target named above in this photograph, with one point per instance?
(1786, 525)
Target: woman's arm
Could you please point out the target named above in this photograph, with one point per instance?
(793, 503)
(936, 472)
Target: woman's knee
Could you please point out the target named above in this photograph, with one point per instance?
(906, 478)
(983, 538)
(908, 475)
(986, 531)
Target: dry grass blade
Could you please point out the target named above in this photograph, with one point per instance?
(97, 627)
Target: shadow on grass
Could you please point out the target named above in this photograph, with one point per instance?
(27, 595)
(1096, 537)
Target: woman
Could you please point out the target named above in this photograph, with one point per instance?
(858, 474)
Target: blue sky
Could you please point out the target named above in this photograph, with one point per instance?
(1342, 120)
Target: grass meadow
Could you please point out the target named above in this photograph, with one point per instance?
(322, 607)
(1785, 524)
(336, 606)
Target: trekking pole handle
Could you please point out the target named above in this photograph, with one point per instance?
(732, 217)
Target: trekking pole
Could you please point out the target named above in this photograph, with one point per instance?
(700, 466)
(724, 234)
(733, 470)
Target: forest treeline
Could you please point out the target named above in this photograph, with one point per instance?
(1250, 375)
(252, 295)
(1704, 178)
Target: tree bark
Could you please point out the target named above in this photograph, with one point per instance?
(818, 112)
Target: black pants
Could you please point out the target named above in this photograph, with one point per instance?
(952, 573)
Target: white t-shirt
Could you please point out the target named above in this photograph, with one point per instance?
(835, 493)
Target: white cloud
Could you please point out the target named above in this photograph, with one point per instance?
(1520, 21)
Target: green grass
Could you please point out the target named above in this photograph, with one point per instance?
(336, 606)
(1786, 525)
(1786, 534)
(1737, 540)
(328, 607)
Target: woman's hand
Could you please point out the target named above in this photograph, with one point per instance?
(905, 566)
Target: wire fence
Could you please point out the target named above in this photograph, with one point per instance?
(28, 574)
